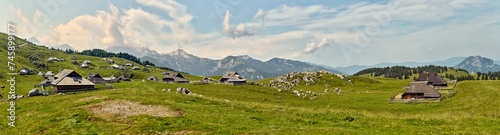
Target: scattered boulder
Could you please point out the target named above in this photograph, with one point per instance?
(183, 90)
(296, 92)
(45, 93)
(34, 92)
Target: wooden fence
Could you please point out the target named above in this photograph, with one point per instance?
(444, 95)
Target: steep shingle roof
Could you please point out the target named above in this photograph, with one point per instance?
(177, 77)
(233, 76)
(432, 78)
(422, 87)
(72, 81)
(70, 77)
(63, 73)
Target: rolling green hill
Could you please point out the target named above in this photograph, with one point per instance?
(401, 72)
(142, 107)
(27, 54)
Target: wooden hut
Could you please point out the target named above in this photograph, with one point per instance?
(432, 79)
(206, 80)
(123, 78)
(146, 70)
(419, 90)
(232, 78)
(174, 77)
(69, 80)
(152, 78)
(96, 78)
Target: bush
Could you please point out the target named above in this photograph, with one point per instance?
(349, 118)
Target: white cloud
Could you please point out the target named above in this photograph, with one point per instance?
(86, 31)
(11, 7)
(238, 31)
(181, 24)
(260, 14)
(25, 28)
(175, 10)
(21, 16)
(413, 25)
(259, 46)
(313, 47)
(132, 27)
(285, 12)
(38, 16)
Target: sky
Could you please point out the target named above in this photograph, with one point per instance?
(333, 33)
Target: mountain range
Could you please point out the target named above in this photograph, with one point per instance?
(245, 65)
(350, 70)
(471, 64)
(252, 68)
(61, 46)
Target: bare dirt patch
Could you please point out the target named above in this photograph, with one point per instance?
(118, 110)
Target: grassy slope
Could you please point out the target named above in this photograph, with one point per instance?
(43, 53)
(473, 110)
(258, 109)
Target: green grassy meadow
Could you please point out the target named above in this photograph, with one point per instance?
(247, 109)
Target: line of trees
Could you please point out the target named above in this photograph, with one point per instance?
(402, 72)
(488, 76)
(459, 78)
(103, 53)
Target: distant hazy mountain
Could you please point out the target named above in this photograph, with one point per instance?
(138, 52)
(497, 62)
(181, 61)
(247, 66)
(284, 66)
(64, 47)
(356, 68)
(478, 64)
(33, 40)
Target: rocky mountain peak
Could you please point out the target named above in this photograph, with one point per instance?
(478, 64)
(478, 61)
(181, 53)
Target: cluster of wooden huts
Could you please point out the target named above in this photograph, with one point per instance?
(69, 80)
(424, 87)
(175, 77)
